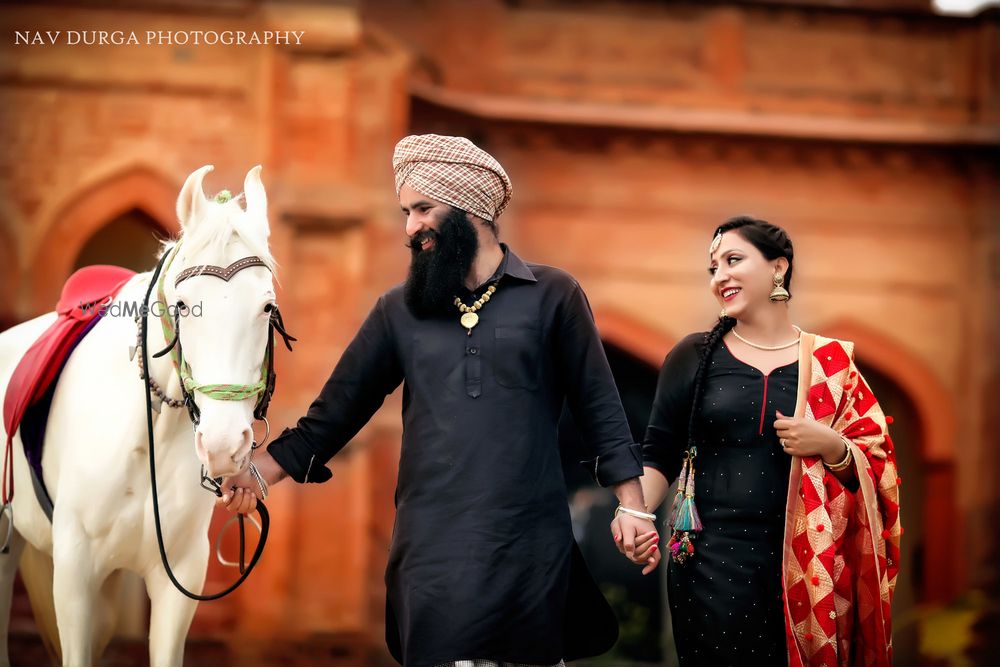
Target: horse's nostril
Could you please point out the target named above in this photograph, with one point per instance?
(245, 444)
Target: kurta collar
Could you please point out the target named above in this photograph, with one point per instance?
(513, 266)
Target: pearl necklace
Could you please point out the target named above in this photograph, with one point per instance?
(771, 348)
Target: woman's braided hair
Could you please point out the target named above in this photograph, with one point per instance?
(772, 242)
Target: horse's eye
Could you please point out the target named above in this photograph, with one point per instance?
(268, 308)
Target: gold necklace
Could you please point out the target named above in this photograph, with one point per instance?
(771, 348)
(469, 317)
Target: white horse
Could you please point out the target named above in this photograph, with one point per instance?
(95, 453)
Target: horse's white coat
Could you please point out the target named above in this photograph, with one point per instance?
(96, 455)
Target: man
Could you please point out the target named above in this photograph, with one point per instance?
(483, 565)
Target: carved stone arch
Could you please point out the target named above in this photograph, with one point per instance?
(635, 337)
(85, 211)
(10, 276)
(8, 220)
(12, 264)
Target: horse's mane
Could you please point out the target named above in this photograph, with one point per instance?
(212, 236)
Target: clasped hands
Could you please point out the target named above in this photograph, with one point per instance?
(637, 540)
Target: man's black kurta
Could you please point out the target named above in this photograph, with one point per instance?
(483, 563)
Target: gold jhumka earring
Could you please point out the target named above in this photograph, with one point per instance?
(779, 293)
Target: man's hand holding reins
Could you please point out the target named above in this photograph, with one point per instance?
(241, 492)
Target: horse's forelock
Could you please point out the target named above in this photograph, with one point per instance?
(208, 238)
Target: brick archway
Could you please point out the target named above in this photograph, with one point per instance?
(12, 266)
(936, 431)
(641, 340)
(10, 269)
(86, 211)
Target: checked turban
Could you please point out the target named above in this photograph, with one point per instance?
(452, 170)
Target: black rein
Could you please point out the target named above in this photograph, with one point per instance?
(261, 410)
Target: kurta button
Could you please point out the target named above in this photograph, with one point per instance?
(473, 350)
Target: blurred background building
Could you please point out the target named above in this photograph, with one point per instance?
(870, 129)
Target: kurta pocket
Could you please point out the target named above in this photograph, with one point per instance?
(516, 360)
(436, 364)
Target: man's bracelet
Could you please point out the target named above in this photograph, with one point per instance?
(635, 513)
(261, 484)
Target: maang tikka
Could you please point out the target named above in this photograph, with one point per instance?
(716, 242)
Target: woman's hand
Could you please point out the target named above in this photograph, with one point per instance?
(637, 540)
(799, 436)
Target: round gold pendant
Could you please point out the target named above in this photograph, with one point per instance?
(469, 320)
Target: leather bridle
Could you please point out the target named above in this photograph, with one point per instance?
(263, 388)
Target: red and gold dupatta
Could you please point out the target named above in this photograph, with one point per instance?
(841, 552)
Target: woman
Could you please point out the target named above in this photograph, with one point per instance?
(786, 528)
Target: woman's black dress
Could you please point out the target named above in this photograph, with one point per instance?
(725, 601)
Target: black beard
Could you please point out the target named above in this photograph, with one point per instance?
(437, 275)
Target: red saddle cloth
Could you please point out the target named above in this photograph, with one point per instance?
(83, 296)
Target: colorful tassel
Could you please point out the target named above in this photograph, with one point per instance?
(679, 496)
(687, 513)
(681, 547)
(684, 518)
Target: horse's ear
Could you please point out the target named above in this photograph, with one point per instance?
(256, 200)
(191, 203)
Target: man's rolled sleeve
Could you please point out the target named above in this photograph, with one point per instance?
(620, 464)
(297, 459)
